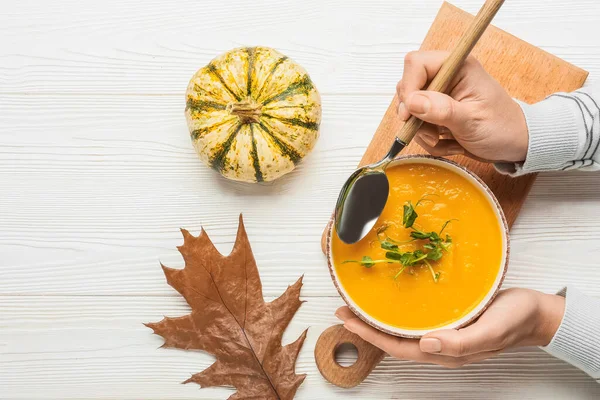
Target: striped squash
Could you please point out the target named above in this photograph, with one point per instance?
(253, 114)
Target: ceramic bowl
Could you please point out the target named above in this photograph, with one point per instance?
(489, 297)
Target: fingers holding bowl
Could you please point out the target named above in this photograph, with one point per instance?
(406, 349)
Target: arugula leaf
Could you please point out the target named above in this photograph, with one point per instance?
(418, 235)
(388, 245)
(393, 255)
(409, 216)
(408, 259)
(434, 237)
(418, 255)
(367, 262)
(446, 244)
(429, 246)
(435, 254)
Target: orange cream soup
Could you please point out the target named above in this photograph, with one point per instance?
(468, 271)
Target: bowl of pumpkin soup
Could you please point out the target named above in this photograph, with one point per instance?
(435, 258)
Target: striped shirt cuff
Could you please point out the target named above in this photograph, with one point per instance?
(577, 340)
(556, 136)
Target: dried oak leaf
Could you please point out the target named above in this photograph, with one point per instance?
(231, 320)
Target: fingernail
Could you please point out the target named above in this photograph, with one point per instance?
(337, 315)
(418, 104)
(455, 150)
(431, 345)
(402, 111)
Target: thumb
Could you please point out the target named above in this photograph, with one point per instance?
(437, 108)
(459, 343)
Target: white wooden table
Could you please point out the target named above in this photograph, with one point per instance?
(97, 173)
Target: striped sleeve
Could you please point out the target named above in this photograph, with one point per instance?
(577, 340)
(564, 133)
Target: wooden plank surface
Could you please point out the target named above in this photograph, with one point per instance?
(354, 46)
(526, 72)
(97, 174)
(64, 347)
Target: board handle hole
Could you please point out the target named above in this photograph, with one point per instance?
(346, 355)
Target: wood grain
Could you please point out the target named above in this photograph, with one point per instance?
(328, 343)
(149, 47)
(95, 347)
(97, 174)
(95, 189)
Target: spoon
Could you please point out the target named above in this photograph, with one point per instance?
(365, 193)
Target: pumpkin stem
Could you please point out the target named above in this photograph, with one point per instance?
(247, 111)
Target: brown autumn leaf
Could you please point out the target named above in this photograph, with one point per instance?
(231, 320)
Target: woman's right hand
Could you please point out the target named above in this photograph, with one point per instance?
(478, 118)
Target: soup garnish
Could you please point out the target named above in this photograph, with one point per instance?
(430, 246)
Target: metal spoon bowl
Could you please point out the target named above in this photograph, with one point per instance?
(363, 198)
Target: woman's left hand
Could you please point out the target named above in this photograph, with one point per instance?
(517, 317)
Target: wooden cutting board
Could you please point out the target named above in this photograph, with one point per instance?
(528, 74)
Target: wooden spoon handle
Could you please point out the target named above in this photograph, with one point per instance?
(329, 341)
(454, 61)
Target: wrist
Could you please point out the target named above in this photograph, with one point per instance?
(551, 309)
(521, 134)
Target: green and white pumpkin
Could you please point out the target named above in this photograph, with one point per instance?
(253, 114)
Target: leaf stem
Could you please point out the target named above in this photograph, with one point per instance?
(433, 274)
(399, 272)
(446, 224)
